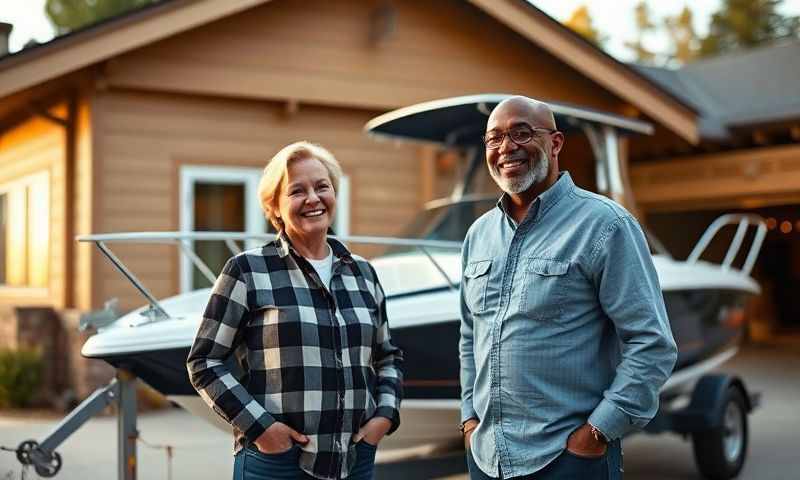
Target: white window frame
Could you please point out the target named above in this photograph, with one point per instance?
(255, 222)
(341, 224)
(190, 175)
(25, 182)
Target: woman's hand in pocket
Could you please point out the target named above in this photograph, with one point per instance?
(279, 438)
(373, 431)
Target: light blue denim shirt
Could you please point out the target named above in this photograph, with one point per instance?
(563, 322)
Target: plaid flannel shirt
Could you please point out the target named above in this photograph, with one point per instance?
(318, 360)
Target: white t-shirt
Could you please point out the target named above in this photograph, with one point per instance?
(324, 267)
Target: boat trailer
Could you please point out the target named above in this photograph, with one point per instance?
(121, 392)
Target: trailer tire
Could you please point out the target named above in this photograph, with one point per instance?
(720, 451)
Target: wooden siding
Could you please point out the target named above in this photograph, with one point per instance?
(281, 51)
(143, 139)
(83, 254)
(36, 146)
(742, 179)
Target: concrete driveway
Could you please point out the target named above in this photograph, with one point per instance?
(202, 452)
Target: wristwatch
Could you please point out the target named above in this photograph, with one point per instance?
(598, 435)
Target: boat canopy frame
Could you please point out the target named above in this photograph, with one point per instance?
(185, 240)
(459, 122)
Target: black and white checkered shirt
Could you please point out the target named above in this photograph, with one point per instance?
(318, 360)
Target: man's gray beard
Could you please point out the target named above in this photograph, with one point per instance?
(536, 174)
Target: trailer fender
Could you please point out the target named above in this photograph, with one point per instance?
(708, 399)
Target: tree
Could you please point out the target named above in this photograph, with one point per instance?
(644, 25)
(68, 15)
(581, 22)
(741, 24)
(684, 39)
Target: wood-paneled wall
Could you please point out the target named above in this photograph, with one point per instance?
(750, 178)
(83, 254)
(36, 146)
(142, 140)
(321, 52)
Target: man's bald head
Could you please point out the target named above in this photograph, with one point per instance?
(522, 147)
(537, 113)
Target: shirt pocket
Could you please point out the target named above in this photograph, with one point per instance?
(476, 277)
(544, 289)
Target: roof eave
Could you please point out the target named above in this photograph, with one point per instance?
(539, 28)
(99, 43)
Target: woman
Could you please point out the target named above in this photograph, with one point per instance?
(306, 320)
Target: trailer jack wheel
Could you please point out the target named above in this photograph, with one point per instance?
(720, 451)
(46, 464)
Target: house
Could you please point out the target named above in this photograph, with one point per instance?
(747, 161)
(162, 119)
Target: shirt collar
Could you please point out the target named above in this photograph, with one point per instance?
(546, 199)
(339, 250)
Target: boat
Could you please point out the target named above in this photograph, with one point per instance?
(420, 273)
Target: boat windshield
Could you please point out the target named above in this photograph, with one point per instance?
(449, 221)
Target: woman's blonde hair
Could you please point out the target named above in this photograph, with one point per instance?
(271, 180)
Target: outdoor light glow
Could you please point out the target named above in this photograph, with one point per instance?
(786, 226)
(771, 223)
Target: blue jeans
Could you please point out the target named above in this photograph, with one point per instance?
(568, 466)
(250, 464)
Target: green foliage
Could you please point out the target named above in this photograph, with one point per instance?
(737, 25)
(581, 22)
(741, 24)
(20, 376)
(68, 15)
(644, 25)
(684, 40)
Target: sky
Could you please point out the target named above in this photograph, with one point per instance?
(614, 18)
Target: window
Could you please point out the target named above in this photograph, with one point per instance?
(25, 232)
(225, 199)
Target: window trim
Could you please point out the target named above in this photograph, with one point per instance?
(30, 292)
(255, 222)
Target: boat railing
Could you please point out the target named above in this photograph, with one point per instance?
(743, 222)
(184, 241)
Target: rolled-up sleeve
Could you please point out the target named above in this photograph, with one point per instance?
(217, 337)
(631, 297)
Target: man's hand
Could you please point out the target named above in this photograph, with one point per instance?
(469, 427)
(279, 438)
(583, 444)
(373, 431)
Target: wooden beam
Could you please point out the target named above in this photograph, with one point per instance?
(427, 156)
(105, 41)
(597, 66)
(722, 177)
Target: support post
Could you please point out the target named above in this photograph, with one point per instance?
(126, 426)
(121, 390)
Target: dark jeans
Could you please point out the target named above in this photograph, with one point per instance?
(568, 466)
(250, 464)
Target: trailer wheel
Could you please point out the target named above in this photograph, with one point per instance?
(720, 452)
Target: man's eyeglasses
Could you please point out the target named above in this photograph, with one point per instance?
(520, 135)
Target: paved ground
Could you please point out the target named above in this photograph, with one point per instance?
(201, 452)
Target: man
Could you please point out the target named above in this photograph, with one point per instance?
(565, 340)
